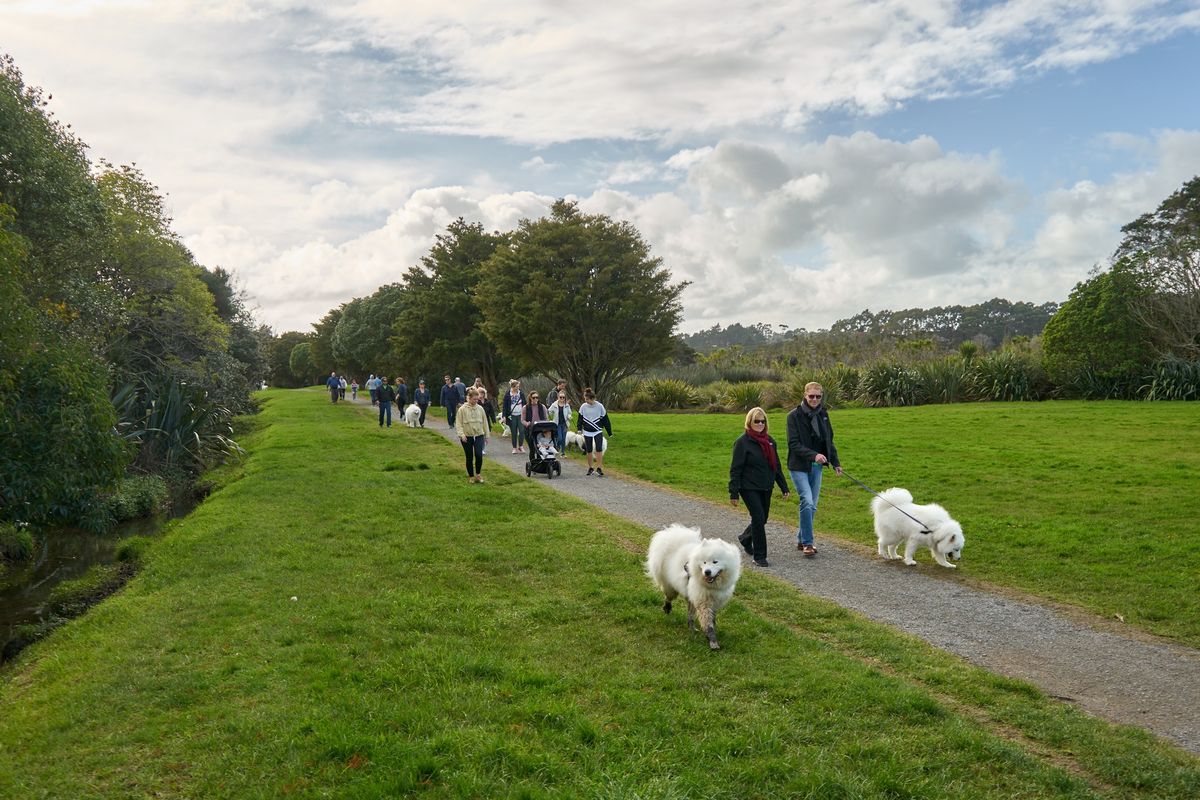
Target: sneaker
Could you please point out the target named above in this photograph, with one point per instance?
(599, 472)
(590, 471)
(761, 562)
(514, 451)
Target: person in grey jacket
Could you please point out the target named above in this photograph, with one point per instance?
(754, 471)
(810, 448)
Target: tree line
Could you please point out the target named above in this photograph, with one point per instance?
(570, 294)
(120, 355)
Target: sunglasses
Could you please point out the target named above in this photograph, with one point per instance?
(814, 396)
(758, 422)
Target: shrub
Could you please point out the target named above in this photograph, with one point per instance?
(137, 497)
(1172, 378)
(744, 396)
(16, 543)
(1008, 375)
(944, 380)
(175, 426)
(669, 393)
(889, 384)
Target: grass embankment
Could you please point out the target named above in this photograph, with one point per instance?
(1092, 504)
(351, 618)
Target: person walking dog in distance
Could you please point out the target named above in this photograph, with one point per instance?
(471, 425)
(810, 448)
(422, 398)
(755, 466)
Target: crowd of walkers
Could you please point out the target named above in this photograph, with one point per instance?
(755, 467)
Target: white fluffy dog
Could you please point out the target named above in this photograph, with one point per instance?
(936, 529)
(576, 440)
(412, 415)
(705, 571)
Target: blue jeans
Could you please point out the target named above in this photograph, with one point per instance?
(385, 410)
(808, 486)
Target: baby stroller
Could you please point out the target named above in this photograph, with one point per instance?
(545, 464)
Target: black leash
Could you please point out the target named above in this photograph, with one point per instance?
(924, 527)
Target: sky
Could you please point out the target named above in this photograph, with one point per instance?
(795, 162)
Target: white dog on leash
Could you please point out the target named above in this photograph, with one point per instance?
(412, 415)
(576, 440)
(705, 571)
(898, 519)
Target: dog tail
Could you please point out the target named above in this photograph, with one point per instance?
(892, 497)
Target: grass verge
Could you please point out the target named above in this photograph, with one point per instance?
(334, 624)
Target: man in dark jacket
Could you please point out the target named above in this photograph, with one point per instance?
(810, 448)
(387, 395)
(449, 399)
(335, 387)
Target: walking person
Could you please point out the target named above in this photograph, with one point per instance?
(513, 406)
(593, 423)
(354, 388)
(372, 386)
(471, 425)
(560, 388)
(754, 471)
(342, 388)
(401, 394)
(489, 410)
(449, 399)
(385, 395)
(810, 448)
(560, 413)
(535, 411)
(421, 398)
(334, 387)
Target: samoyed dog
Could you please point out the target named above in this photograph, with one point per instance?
(412, 415)
(705, 571)
(576, 440)
(936, 529)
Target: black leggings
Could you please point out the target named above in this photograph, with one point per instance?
(423, 408)
(758, 503)
(474, 446)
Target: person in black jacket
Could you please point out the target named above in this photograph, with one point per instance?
(386, 396)
(810, 448)
(752, 471)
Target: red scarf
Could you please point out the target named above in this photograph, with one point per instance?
(764, 442)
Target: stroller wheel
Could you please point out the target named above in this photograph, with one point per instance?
(549, 473)
(528, 471)
(557, 468)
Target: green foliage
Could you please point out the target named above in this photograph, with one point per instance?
(580, 296)
(133, 550)
(300, 364)
(945, 380)
(175, 426)
(1008, 375)
(279, 355)
(139, 496)
(666, 393)
(890, 384)
(744, 396)
(360, 343)
(441, 325)
(1172, 378)
(1095, 332)
(16, 543)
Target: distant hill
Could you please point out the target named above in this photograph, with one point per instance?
(989, 323)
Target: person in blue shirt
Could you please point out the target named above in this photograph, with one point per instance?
(335, 386)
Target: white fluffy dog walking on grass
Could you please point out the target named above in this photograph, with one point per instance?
(936, 529)
(412, 415)
(705, 571)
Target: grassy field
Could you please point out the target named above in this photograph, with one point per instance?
(1092, 504)
(348, 617)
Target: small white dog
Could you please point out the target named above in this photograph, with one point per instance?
(705, 571)
(412, 415)
(576, 440)
(936, 529)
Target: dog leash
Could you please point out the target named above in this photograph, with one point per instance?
(924, 527)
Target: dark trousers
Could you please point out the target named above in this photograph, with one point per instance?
(385, 409)
(451, 414)
(333, 395)
(473, 446)
(424, 407)
(759, 505)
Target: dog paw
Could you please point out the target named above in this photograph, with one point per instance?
(910, 562)
(951, 566)
(714, 646)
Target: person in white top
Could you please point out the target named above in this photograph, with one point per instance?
(593, 423)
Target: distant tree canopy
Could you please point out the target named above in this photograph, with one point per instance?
(359, 342)
(579, 296)
(997, 320)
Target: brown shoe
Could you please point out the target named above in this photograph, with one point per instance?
(809, 551)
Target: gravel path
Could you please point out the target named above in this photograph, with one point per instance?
(1136, 681)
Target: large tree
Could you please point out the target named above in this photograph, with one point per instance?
(1161, 253)
(439, 328)
(360, 342)
(578, 295)
(279, 356)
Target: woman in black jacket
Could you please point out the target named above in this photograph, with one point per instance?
(754, 468)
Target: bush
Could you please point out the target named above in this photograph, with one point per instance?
(944, 380)
(744, 396)
(1008, 375)
(669, 393)
(16, 543)
(176, 426)
(890, 384)
(1172, 378)
(137, 497)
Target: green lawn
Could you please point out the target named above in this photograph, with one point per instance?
(348, 617)
(1093, 504)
